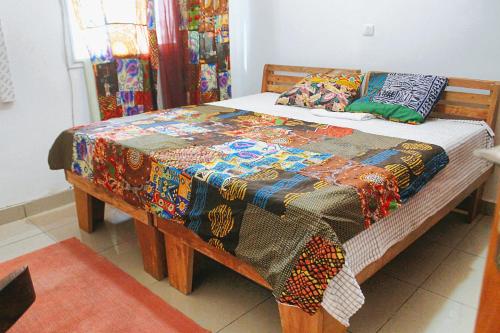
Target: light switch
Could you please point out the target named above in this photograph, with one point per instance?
(369, 30)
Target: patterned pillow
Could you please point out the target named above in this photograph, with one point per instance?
(407, 98)
(332, 92)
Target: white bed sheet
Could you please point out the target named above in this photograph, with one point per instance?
(343, 296)
(443, 132)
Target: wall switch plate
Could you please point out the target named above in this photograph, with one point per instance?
(369, 30)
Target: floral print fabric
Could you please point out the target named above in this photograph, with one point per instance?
(323, 91)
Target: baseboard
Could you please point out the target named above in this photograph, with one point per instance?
(21, 211)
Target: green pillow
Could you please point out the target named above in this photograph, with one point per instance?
(407, 98)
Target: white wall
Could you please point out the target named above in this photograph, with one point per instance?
(446, 37)
(43, 108)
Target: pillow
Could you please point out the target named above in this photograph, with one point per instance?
(407, 98)
(332, 92)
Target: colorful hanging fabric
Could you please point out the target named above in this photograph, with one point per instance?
(205, 28)
(121, 38)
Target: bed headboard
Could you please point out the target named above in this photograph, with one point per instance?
(463, 99)
(278, 78)
(466, 99)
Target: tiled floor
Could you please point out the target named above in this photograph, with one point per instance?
(434, 286)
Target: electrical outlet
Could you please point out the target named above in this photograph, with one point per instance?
(369, 30)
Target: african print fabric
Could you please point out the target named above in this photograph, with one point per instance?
(229, 175)
(399, 97)
(323, 91)
(205, 28)
(123, 47)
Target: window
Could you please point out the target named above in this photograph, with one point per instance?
(118, 14)
(75, 37)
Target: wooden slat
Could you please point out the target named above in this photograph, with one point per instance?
(110, 198)
(299, 69)
(272, 78)
(495, 105)
(454, 96)
(470, 83)
(464, 111)
(277, 88)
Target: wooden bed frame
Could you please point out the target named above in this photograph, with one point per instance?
(163, 241)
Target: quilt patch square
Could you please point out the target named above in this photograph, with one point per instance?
(130, 75)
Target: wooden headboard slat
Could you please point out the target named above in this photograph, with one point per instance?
(463, 98)
(469, 83)
(278, 78)
(455, 96)
(460, 101)
(278, 88)
(272, 78)
(298, 69)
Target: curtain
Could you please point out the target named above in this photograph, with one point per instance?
(121, 38)
(200, 31)
(172, 67)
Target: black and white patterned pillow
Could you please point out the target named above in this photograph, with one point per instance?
(415, 91)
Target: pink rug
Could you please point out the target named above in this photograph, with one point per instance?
(80, 291)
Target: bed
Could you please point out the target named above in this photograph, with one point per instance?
(369, 250)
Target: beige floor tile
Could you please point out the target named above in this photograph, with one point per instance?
(219, 297)
(24, 246)
(450, 230)
(115, 216)
(55, 218)
(264, 318)
(16, 231)
(104, 237)
(477, 240)
(67, 215)
(417, 262)
(431, 313)
(127, 256)
(384, 296)
(459, 278)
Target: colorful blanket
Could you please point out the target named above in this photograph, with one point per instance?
(279, 193)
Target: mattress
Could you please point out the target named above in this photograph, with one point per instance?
(458, 138)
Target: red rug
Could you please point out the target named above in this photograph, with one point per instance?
(80, 291)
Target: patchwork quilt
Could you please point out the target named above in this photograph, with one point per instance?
(281, 194)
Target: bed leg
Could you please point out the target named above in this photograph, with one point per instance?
(180, 264)
(89, 210)
(475, 206)
(294, 320)
(152, 249)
